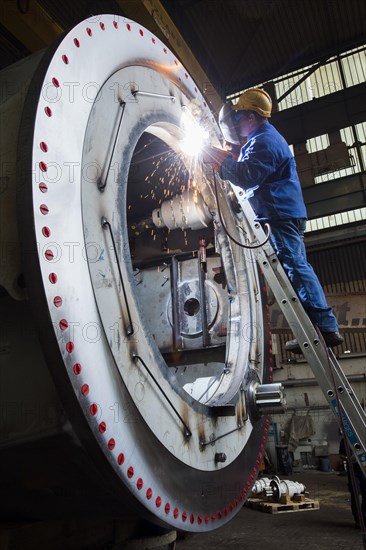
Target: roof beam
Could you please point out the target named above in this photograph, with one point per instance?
(34, 28)
(172, 37)
(335, 196)
(322, 115)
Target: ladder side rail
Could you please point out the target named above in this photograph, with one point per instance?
(354, 408)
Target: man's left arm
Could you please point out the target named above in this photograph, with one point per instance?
(256, 164)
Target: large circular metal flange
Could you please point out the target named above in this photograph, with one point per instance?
(159, 442)
(158, 110)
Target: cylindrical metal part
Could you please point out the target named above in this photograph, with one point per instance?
(269, 398)
(220, 457)
(281, 487)
(260, 485)
(186, 210)
(274, 488)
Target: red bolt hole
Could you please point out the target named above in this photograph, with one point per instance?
(63, 324)
(52, 277)
(93, 409)
(57, 301)
(102, 427)
(49, 255)
(77, 369)
(70, 347)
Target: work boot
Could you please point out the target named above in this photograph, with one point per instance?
(331, 339)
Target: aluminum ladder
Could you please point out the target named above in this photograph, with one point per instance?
(321, 359)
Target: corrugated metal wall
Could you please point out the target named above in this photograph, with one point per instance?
(342, 268)
(342, 272)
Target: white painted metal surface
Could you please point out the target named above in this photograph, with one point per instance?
(189, 462)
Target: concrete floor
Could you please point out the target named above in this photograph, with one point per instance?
(330, 527)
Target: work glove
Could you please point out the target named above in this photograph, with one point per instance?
(214, 156)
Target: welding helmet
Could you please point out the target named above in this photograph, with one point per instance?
(229, 122)
(256, 100)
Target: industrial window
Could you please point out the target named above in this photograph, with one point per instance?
(352, 216)
(343, 71)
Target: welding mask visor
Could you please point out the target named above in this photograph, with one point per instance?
(229, 122)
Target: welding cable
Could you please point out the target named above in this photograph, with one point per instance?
(250, 247)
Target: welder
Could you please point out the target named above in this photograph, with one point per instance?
(266, 166)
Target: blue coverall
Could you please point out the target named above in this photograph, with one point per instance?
(266, 161)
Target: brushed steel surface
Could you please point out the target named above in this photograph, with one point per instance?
(106, 84)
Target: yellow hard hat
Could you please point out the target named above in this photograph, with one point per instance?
(256, 100)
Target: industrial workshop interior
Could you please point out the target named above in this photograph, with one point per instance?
(183, 274)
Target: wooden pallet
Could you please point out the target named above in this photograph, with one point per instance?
(289, 505)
